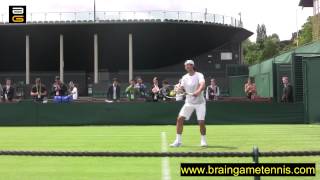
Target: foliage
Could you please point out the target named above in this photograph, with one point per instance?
(261, 33)
(267, 47)
(251, 52)
(305, 34)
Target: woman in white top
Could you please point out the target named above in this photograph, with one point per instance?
(212, 91)
(73, 90)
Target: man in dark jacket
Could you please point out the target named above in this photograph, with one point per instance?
(287, 92)
(114, 91)
(38, 91)
(8, 91)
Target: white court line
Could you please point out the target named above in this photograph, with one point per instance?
(165, 160)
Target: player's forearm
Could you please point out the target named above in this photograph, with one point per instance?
(200, 89)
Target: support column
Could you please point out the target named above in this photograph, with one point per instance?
(27, 60)
(130, 57)
(96, 65)
(61, 59)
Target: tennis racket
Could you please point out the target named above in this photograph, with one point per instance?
(179, 95)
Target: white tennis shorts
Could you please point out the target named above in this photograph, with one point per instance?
(187, 110)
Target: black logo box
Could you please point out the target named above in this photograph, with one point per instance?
(17, 11)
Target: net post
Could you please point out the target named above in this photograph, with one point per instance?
(255, 157)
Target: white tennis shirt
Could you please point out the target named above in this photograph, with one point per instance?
(190, 85)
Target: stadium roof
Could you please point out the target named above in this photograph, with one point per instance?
(155, 43)
(306, 3)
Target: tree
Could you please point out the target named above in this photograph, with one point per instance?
(271, 47)
(264, 49)
(258, 39)
(261, 34)
(251, 52)
(267, 47)
(305, 34)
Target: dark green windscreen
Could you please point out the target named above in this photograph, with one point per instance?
(236, 86)
(311, 67)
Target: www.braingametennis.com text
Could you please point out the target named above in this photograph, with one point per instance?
(248, 169)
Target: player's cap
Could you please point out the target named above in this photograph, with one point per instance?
(189, 62)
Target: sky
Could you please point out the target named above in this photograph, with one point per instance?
(280, 16)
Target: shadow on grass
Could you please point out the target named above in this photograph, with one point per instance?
(221, 147)
(212, 147)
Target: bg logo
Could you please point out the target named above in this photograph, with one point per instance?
(17, 14)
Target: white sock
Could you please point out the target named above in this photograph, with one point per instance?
(178, 138)
(203, 138)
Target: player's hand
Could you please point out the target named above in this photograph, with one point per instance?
(196, 94)
(179, 90)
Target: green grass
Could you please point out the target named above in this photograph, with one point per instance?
(143, 138)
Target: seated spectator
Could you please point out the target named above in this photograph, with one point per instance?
(140, 88)
(114, 91)
(165, 90)
(212, 91)
(38, 91)
(73, 90)
(8, 91)
(250, 89)
(60, 90)
(130, 90)
(155, 90)
(287, 92)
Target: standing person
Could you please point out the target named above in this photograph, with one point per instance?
(38, 91)
(287, 94)
(155, 90)
(193, 82)
(165, 90)
(130, 91)
(140, 88)
(8, 91)
(73, 90)
(212, 91)
(250, 88)
(59, 88)
(114, 91)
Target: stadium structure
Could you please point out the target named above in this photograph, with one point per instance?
(92, 48)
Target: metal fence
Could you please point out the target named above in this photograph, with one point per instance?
(101, 16)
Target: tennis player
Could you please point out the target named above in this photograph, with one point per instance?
(192, 83)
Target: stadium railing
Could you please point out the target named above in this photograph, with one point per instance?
(126, 16)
